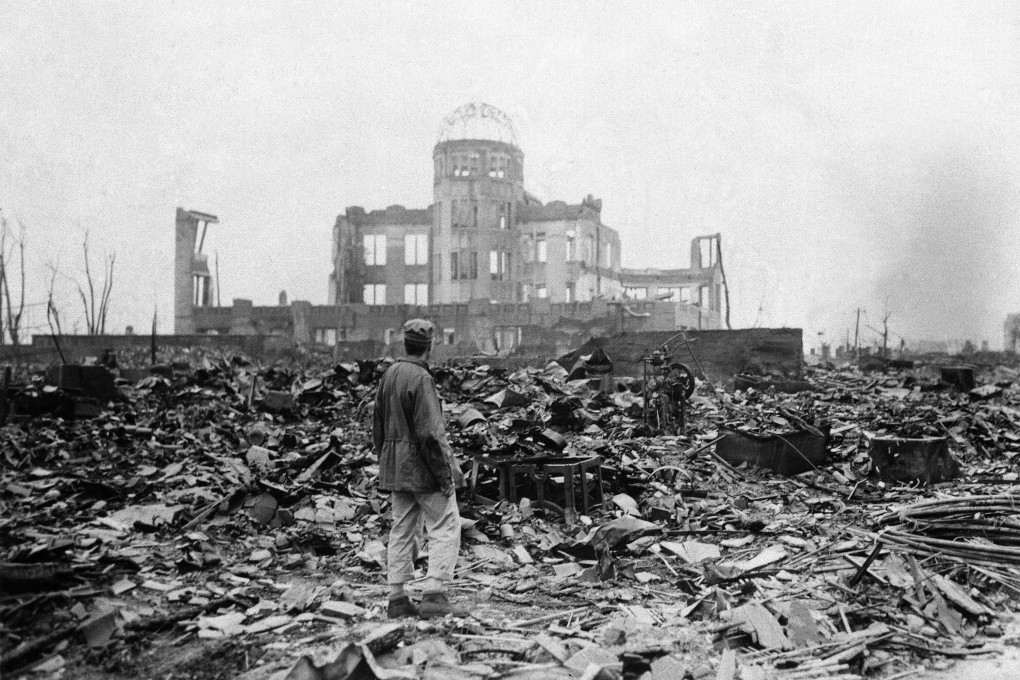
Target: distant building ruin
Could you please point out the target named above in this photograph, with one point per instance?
(486, 238)
(193, 282)
(495, 268)
(1011, 333)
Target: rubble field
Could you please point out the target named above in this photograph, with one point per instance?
(219, 518)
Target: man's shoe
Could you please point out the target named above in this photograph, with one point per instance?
(401, 607)
(435, 605)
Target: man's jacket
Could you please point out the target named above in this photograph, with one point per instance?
(409, 432)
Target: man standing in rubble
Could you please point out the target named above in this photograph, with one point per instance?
(417, 467)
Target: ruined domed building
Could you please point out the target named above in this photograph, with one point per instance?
(494, 267)
(486, 239)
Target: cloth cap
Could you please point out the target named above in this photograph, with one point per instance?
(418, 333)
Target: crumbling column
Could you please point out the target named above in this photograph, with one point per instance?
(184, 287)
(241, 322)
(191, 268)
(300, 312)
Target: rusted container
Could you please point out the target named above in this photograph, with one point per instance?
(787, 454)
(923, 459)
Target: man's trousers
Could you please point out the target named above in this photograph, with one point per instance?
(442, 522)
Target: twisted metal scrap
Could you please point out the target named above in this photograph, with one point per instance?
(983, 530)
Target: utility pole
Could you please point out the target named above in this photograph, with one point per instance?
(885, 335)
(857, 335)
(217, 278)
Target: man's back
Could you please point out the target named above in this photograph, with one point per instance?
(408, 419)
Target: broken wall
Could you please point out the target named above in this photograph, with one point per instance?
(720, 354)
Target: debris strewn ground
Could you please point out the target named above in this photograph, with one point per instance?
(221, 520)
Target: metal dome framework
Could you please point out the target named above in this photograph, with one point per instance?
(468, 120)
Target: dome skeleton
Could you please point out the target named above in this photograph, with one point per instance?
(477, 112)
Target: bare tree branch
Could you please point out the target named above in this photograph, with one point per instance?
(85, 305)
(52, 314)
(12, 323)
(21, 298)
(107, 289)
(90, 309)
(96, 311)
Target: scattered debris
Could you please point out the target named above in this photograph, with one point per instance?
(221, 519)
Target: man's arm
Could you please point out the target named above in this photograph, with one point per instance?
(378, 431)
(431, 430)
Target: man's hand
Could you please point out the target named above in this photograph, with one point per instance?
(448, 489)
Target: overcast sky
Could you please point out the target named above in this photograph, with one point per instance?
(860, 154)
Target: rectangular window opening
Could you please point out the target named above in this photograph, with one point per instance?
(375, 249)
(416, 294)
(325, 336)
(374, 294)
(416, 249)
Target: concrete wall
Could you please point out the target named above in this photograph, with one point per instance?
(701, 274)
(351, 272)
(484, 325)
(589, 270)
(720, 353)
